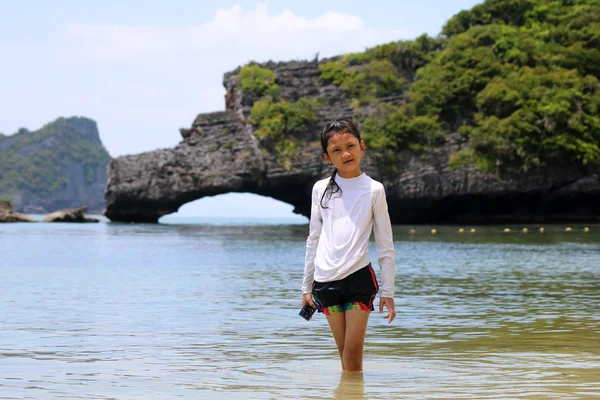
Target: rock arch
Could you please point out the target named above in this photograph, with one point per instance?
(220, 154)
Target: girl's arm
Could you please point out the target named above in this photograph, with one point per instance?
(316, 222)
(382, 228)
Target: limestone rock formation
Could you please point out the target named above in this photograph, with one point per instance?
(220, 153)
(70, 215)
(8, 215)
(61, 165)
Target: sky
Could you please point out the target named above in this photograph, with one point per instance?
(144, 69)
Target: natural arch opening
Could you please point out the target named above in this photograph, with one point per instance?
(235, 208)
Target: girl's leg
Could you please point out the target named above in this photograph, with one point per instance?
(354, 339)
(337, 323)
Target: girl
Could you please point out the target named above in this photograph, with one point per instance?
(338, 276)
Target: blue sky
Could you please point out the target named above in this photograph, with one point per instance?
(142, 70)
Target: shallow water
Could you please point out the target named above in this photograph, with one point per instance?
(210, 310)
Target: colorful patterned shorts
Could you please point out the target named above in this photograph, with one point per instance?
(355, 292)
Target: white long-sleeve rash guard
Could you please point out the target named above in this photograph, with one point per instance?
(338, 240)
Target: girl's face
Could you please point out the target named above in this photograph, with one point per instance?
(344, 151)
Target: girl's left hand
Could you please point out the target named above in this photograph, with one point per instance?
(389, 304)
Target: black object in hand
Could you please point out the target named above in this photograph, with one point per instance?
(307, 311)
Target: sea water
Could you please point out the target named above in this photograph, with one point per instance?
(208, 308)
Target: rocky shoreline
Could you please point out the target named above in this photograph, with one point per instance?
(69, 215)
(8, 215)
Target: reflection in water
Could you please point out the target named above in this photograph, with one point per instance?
(351, 386)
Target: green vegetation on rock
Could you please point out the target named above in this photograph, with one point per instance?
(280, 121)
(277, 118)
(378, 78)
(258, 80)
(381, 71)
(466, 157)
(390, 128)
(520, 79)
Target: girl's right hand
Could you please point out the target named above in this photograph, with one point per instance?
(308, 297)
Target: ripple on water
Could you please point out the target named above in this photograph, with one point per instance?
(155, 312)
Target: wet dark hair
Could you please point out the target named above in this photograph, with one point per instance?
(335, 127)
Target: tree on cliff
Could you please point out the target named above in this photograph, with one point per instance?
(520, 80)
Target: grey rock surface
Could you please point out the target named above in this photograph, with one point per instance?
(8, 215)
(70, 215)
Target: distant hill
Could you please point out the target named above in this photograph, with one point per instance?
(61, 165)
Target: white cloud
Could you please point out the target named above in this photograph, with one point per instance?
(142, 83)
(231, 36)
